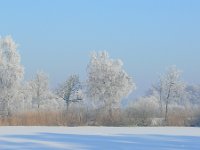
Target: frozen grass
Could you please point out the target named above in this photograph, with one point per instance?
(64, 138)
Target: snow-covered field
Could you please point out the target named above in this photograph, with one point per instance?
(111, 138)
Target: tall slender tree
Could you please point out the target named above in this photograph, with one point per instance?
(11, 73)
(170, 89)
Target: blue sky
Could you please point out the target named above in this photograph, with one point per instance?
(57, 36)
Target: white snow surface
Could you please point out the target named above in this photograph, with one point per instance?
(100, 138)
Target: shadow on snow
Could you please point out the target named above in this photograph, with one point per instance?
(53, 141)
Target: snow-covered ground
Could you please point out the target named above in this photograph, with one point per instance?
(100, 138)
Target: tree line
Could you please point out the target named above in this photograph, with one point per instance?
(95, 101)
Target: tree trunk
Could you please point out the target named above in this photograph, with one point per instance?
(67, 102)
(161, 105)
(110, 111)
(166, 113)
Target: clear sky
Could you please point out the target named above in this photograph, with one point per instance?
(57, 36)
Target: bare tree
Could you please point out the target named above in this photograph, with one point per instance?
(70, 90)
(170, 88)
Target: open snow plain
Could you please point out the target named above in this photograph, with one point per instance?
(100, 138)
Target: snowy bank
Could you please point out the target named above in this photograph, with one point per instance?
(61, 138)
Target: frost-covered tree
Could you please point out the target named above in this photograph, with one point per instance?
(170, 89)
(143, 109)
(193, 94)
(107, 82)
(70, 90)
(23, 100)
(11, 73)
(40, 89)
